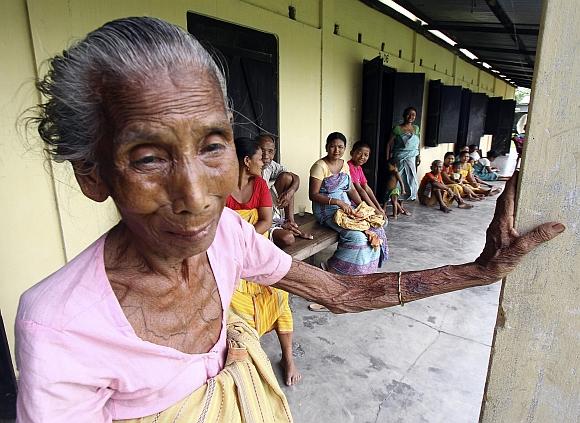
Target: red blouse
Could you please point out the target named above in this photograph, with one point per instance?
(260, 197)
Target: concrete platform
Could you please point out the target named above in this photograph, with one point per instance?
(424, 362)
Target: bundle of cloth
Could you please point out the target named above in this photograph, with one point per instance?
(364, 218)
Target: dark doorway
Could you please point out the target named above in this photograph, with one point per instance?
(443, 109)
(498, 123)
(386, 94)
(7, 378)
(250, 59)
(471, 118)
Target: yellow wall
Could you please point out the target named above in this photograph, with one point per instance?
(32, 246)
(47, 221)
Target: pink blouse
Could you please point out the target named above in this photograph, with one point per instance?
(81, 361)
(357, 174)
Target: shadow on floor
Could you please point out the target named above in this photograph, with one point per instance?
(424, 362)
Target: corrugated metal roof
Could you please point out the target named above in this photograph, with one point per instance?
(502, 33)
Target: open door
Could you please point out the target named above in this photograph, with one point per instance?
(386, 93)
(498, 123)
(371, 116)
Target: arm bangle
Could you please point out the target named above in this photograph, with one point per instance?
(329, 200)
(401, 302)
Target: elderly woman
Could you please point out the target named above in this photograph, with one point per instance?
(403, 146)
(135, 325)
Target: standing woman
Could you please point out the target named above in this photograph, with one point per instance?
(403, 146)
(331, 189)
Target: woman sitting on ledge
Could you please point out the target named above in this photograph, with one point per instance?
(331, 189)
(263, 307)
(135, 326)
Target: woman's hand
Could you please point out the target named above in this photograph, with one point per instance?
(504, 247)
(347, 208)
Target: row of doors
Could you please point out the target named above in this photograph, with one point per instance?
(454, 114)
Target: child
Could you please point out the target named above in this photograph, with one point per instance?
(359, 154)
(393, 191)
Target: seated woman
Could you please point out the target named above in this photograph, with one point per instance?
(263, 307)
(466, 171)
(433, 191)
(359, 155)
(452, 178)
(330, 189)
(482, 168)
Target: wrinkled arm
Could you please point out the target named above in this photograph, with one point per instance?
(503, 250)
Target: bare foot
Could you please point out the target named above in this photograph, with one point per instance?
(406, 213)
(445, 209)
(291, 373)
(464, 206)
(305, 235)
(394, 216)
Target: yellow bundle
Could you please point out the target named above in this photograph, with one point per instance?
(368, 218)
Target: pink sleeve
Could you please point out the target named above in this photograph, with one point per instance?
(50, 386)
(354, 176)
(263, 262)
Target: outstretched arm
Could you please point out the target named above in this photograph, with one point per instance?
(503, 250)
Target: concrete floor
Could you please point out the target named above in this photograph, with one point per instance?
(424, 362)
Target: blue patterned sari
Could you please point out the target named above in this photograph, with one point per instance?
(354, 255)
(405, 151)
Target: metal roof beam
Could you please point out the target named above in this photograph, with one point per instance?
(503, 17)
(479, 27)
(499, 50)
(506, 62)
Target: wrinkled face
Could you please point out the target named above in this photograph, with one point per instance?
(335, 149)
(173, 161)
(255, 163)
(268, 150)
(410, 116)
(437, 167)
(360, 156)
(464, 157)
(449, 160)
